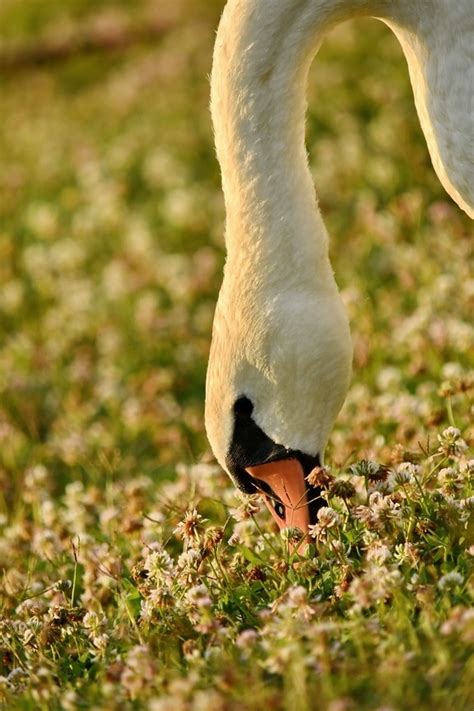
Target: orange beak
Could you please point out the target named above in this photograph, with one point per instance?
(288, 501)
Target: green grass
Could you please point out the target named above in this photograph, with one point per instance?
(113, 593)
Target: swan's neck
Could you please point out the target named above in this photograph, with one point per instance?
(280, 335)
(262, 55)
(258, 108)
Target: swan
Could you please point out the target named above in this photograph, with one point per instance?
(281, 353)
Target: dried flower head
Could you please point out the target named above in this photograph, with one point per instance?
(256, 573)
(320, 476)
(342, 488)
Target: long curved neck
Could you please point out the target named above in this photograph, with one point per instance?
(262, 55)
(261, 59)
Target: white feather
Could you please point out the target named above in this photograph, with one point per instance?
(280, 333)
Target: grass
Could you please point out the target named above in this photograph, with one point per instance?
(133, 574)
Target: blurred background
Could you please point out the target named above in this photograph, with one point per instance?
(111, 239)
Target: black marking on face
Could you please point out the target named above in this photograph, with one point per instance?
(250, 446)
(243, 407)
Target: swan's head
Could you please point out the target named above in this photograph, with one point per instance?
(278, 374)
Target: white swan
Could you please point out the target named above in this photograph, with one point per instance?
(281, 351)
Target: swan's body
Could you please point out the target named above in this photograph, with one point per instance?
(281, 345)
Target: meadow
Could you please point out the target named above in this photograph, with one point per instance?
(134, 576)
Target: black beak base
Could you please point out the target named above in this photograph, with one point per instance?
(250, 447)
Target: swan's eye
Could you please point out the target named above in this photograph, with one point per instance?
(279, 510)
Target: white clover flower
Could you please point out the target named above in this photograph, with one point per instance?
(328, 517)
(36, 477)
(364, 514)
(374, 585)
(447, 473)
(206, 478)
(450, 480)
(452, 370)
(93, 621)
(16, 677)
(147, 609)
(460, 622)
(295, 600)
(389, 378)
(468, 467)
(406, 473)
(158, 563)
(12, 295)
(199, 596)
(467, 504)
(451, 443)
(46, 543)
(384, 510)
(378, 553)
(100, 641)
(235, 539)
(279, 659)
(41, 218)
(208, 699)
(249, 506)
(139, 670)
(450, 580)
(296, 596)
(190, 526)
(247, 639)
(189, 559)
(31, 607)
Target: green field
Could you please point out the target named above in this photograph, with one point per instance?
(134, 576)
